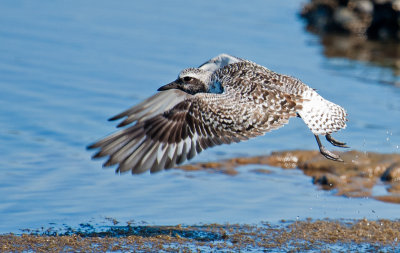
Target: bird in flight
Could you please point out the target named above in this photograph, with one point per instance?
(226, 99)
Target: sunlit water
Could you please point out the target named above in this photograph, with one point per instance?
(66, 68)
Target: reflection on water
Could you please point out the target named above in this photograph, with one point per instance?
(385, 54)
(365, 31)
(65, 69)
(373, 19)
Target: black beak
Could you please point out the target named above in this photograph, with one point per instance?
(173, 85)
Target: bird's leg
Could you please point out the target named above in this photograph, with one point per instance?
(335, 142)
(326, 152)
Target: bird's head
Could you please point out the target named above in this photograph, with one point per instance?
(191, 80)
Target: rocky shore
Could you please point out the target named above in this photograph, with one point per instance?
(355, 177)
(361, 30)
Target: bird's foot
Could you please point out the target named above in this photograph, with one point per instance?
(335, 142)
(328, 154)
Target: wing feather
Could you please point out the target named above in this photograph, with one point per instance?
(173, 126)
(154, 105)
(163, 140)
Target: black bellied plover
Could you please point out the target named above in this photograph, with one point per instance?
(225, 100)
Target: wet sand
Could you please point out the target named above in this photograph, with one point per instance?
(299, 236)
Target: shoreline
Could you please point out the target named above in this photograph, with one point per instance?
(315, 235)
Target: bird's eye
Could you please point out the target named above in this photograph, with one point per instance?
(187, 78)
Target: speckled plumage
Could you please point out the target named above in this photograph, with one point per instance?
(225, 100)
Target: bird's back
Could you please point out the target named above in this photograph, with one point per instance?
(244, 75)
(259, 94)
(280, 97)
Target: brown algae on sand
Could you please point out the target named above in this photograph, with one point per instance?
(326, 235)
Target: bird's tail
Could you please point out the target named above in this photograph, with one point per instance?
(322, 116)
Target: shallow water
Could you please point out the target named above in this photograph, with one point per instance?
(65, 69)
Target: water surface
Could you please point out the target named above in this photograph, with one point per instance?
(65, 69)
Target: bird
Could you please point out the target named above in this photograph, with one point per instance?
(225, 100)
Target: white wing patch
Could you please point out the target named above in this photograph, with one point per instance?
(218, 62)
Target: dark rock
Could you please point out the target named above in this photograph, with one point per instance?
(385, 21)
(392, 173)
(327, 180)
(376, 19)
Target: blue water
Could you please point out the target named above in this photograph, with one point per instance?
(65, 67)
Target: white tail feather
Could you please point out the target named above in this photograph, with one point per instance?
(322, 116)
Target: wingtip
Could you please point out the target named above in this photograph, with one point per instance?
(114, 118)
(98, 155)
(109, 163)
(118, 116)
(122, 124)
(91, 146)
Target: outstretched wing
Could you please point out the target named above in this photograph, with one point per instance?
(219, 61)
(154, 105)
(166, 134)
